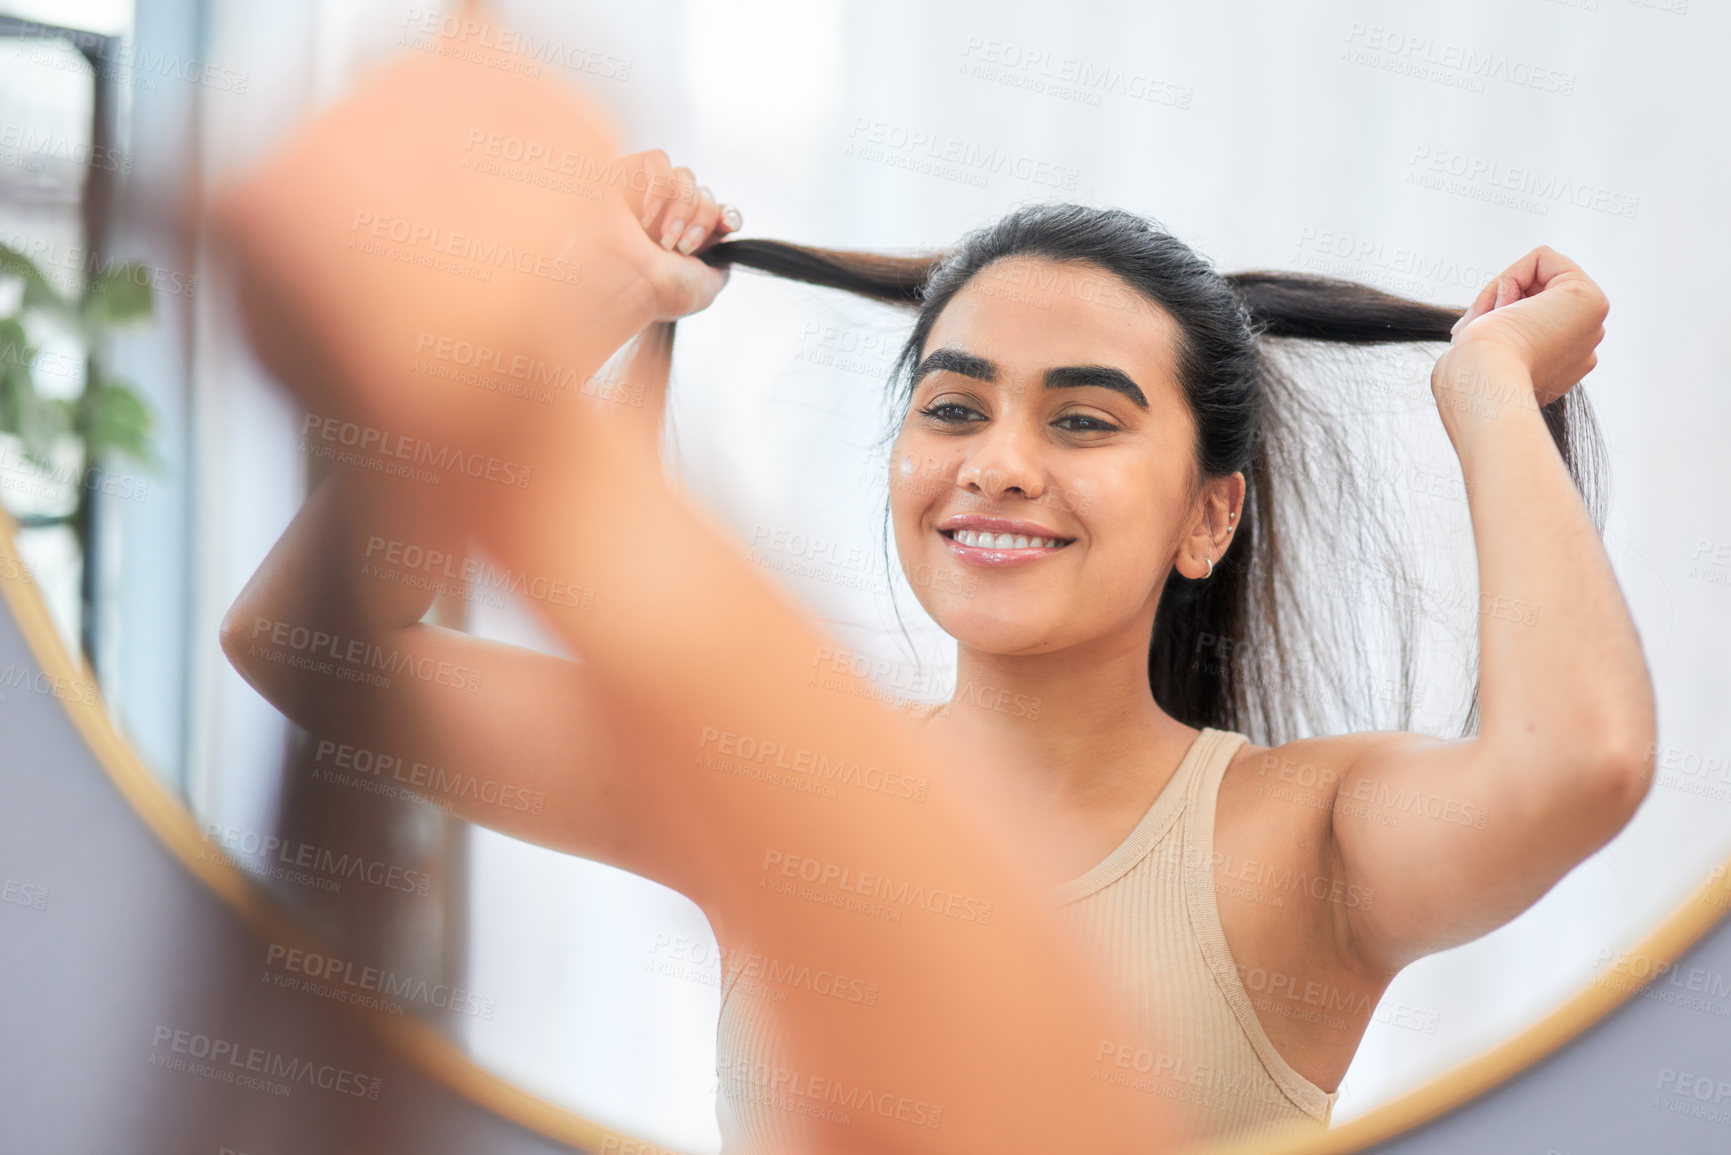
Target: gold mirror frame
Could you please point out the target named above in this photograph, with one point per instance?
(420, 1044)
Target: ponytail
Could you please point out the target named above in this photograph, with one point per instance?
(892, 280)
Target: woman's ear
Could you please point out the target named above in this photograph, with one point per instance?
(1215, 525)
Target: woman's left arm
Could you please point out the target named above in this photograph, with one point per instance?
(1564, 750)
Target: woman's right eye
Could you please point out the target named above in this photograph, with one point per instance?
(950, 413)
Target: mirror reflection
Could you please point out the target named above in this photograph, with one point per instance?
(1326, 637)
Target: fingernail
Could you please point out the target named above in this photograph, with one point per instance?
(692, 238)
(1459, 321)
(731, 218)
(670, 235)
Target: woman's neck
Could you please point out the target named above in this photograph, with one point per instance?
(1079, 727)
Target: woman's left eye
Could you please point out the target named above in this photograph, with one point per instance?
(1083, 423)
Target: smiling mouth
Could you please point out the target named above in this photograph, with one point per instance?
(983, 539)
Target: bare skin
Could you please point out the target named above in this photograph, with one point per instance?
(1558, 767)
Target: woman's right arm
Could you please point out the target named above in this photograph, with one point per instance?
(521, 742)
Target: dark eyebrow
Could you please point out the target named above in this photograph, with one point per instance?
(954, 361)
(1062, 377)
(1095, 376)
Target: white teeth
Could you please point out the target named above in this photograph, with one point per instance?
(1002, 540)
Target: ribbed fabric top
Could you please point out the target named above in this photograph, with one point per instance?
(1148, 913)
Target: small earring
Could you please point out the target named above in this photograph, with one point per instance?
(1210, 573)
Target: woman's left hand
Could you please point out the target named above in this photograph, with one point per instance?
(1542, 312)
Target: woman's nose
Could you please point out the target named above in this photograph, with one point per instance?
(1002, 462)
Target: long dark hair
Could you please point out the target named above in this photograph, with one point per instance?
(1245, 649)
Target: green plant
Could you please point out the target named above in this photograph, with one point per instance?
(108, 418)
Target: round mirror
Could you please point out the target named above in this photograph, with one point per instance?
(150, 465)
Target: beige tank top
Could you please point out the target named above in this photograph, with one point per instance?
(1148, 913)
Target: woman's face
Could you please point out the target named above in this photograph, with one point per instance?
(1046, 405)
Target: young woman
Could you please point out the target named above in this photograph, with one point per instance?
(1083, 496)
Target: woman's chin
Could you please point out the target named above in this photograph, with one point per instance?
(993, 632)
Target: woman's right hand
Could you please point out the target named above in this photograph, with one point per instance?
(683, 219)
